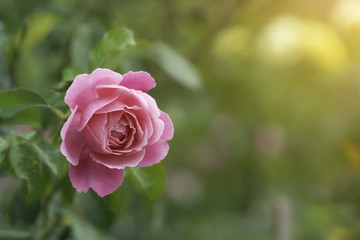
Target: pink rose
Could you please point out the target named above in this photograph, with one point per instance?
(114, 124)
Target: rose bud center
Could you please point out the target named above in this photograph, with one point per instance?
(120, 134)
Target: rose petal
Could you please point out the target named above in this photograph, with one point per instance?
(82, 90)
(138, 80)
(90, 174)
(102, 76)
(129, 97)
(136, 130)
(79, 93)
(157, 126)
(151, 103)
(154, 154)
(95, 134)
(92, 107)
(119, 161)
(112, 107)
(140, 137)
(72, 138)
(168, 132)
(117, 121)
(93, 142)
(125, 130)
(114, 117)
(158, 151)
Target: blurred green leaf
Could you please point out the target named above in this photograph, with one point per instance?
(68, 74)
(25, 161)
(48, 154)
(60, 85)
(84, 231)
(4, 78)
(28, 116)
(56, 99)
(150, 179)
(67, 190)
(111, 201)
(60, 101)
(58, 112)
(94, 211)
(3, 145)
(123, 60)
(81, 45)
(29, 135)
(51, 97)
(62, 165)
(30, 72)
(112, 41)
(14, 234)
(179, 68)
(41, 23)
(12, 101)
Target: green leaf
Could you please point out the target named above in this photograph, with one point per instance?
(54, 98)
(81, 45)
(14, 234)
(112, 41)
(48, 154)
(128, 56)
(61, 84)
(150, 179)
(24, 159)
(29, 135)
(4, 77)
(41, 23)
(85, 231)
(68, 74)
(58, 112)
(179, 68)
(62, 166)
(3, 144)
(28, 116)
(111, 201)
(15, 100)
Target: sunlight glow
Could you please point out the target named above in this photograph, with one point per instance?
(288, 39)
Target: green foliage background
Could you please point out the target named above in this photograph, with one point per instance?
(264, 100)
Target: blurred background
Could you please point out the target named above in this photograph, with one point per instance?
(263, 96)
